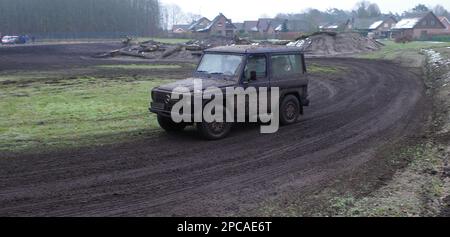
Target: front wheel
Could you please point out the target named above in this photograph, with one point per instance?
(214, 130)
(169, 125)
(290, 110)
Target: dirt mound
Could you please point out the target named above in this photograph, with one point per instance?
(330, 43)
(187, 51)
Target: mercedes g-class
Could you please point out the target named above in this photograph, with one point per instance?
(241, 66)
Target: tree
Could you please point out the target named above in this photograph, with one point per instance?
(420, 8)
(361, 9)
(284, 27)
(174, 15)
(81, 18)
(373, 10)
(365, 9)
(439, 10)
(191, 17)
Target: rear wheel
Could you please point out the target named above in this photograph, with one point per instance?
(169, 125)
(290, 110)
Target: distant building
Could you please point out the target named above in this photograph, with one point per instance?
(199, 24)
(180, 29)
(382, 28)
(251, 26)
(274, 27)
(220, 26)
(336, 26)
(446, 23)
(239, 27)
(421, 26)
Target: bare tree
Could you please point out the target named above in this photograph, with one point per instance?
(175, 15)
(373, 10)
(439, 10)
(192, 17)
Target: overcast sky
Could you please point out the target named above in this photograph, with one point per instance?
(240, 10)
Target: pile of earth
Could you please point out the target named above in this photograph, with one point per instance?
(331, 43)
(159, 51)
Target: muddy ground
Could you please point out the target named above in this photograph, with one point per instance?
(354, 118)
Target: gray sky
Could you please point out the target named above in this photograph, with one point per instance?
(239, 10)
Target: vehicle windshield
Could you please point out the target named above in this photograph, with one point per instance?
(220, 64)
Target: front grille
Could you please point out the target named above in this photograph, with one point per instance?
(160, 97)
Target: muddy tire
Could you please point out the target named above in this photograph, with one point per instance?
(214, 131)
(167, 124)
(290, 110)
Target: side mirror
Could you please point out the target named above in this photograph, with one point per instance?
(253, 76)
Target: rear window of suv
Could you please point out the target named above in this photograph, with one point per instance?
(286, 66)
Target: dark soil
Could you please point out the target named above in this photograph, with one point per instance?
(353, 118)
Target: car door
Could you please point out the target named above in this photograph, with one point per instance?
(256, 64)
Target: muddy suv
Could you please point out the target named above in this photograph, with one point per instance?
(240, 66)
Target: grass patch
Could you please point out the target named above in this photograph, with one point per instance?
(73, 113)
(139, 66)
(393, 50)
(322, 69)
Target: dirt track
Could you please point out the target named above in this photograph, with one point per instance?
(353, 117)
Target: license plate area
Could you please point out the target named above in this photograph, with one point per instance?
(158, 106)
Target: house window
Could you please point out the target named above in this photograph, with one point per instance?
(386, 25)
(433, 22)
(220, 25)
(424, 23)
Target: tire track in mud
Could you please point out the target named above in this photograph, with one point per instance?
(371, 105)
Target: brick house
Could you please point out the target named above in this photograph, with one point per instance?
(180, 29)
(419, 27)
(199, 24)
(220, 26)
(382, 28)
(446, 23)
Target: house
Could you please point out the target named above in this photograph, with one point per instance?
(268, 27)
(300, 26)
(180, 29)
(378, 27)
(250, 27)
(421, 26)
(239, 27)
(446, 23)
(220, 26)
(199, 24)
(328, 27)
(336, 27)
(382, 28)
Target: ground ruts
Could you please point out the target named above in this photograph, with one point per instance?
(352, 115)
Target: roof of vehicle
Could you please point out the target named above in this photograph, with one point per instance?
(251, 49)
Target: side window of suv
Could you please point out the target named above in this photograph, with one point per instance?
(258, 64)
(286, 65)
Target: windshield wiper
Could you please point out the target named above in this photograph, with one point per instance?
(216, 73)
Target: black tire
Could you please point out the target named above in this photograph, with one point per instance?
(169, 125)
(290, 110)
(214, 130)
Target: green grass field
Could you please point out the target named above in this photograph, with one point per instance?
(323, 69)
(393, 50)
(74, 113)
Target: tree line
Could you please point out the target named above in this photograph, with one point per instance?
(139, 17)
